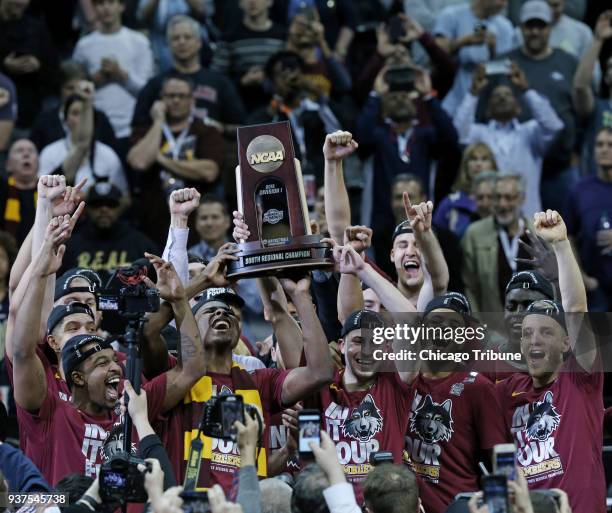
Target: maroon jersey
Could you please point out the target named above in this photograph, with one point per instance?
(64, 440)
(452, 419)
(558, 431)
(221, 459)
(278, 438)
(364, 422)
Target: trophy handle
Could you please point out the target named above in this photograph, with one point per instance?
(304, 205)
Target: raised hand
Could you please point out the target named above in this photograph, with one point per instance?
(183, 202)
(603, 27)
(68, 202)
(479, 80)
(241, 230)
(326, 457)
(542, 259)
(550, 226)
(347, 259)
(51, 187)
(339, 145)
(293, 288)
(422, 82)
(518, 77)
(168, 282)
(358, 237)
(216, 270)
(52, 251)
(418, 215)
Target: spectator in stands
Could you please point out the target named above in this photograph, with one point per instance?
(457, 210)
(550, 72)
(8, 110)
(516, 146)
(298, 100)
(307, 39)
(106, 242)
(175, 150)
(156, 14)
(474, 415)
(589, 221)
(245, 48)
(491, 245)
(387, 124)
(120, 62)
(216, 99)
(50, 124)
(79, 155)
(18, 190)
(593, 108)
(391, 489)
(560, 400)
(474, 33)
(28, 57)
(426, 12)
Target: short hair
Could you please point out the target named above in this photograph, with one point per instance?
(208, 199)
(520, 179)
(72, 70)
(181, 78)
(408, 177)
(541, 502)
(607, 129)
(275, 496)
(486, 176)
(390, 488)
(462, 183)
(75, 485)
(182, 18)
(279, 56)
(308, 491)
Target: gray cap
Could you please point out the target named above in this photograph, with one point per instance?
(536, 10)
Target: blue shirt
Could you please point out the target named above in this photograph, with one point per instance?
(455, 213)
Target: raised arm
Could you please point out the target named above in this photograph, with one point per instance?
(144, 153)
(318, 372)
(191, 366)
(30, 384)
(465, 117)
(584, 101)
(82, 139)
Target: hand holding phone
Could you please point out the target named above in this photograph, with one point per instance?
(309, 426)
(495, 488)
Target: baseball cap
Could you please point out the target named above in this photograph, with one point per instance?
(453, 301)
(549, 308)
(536, 10)
(361, 319)
(73, 354)
(531, 280)
(403, 227)
(61, 311)
(63, 283)
(104, 193)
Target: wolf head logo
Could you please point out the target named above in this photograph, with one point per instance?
(543, 419)
(364, 421)
(432, 421)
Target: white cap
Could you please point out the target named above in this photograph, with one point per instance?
(536, 10)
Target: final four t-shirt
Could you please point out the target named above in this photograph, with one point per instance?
(452, 420)
(364, 422)
(558, 431)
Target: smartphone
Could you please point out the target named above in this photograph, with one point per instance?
(396, 29)
(232, 409)
(380, 457)
(504, 460)
(498, 67)
(480, 26)
(309, 426)
(495, 488)
(310, 13)
(400, 79)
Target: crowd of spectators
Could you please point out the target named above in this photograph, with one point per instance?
(456, 156)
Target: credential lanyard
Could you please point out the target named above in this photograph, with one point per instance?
(192, 473)
(176, 143)
(511, 247)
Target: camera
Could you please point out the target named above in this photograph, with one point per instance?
(400, 79)
(221, 412)
(195, 502)
(121, 481)
(396, 29)
(133, 296)
(498, 67)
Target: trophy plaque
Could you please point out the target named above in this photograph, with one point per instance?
(272, 200)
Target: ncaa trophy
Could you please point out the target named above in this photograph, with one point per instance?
(271, 198)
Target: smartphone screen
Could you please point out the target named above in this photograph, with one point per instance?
(309, 425)
(232, 409)
(495, 488)
(505, 464)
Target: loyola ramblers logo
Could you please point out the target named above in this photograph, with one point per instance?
(432, 421)
(364, 421)
(265, 153)
(543, 420)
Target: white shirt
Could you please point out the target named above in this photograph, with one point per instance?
(133, 53)
(106, 164)
(518, 147)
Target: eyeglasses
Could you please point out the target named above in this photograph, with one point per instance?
(177, 96)
(507, 197)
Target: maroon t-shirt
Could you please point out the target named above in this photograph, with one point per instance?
(364, 422)
(278, 438)
(64, 440)
(558, 431)
(221, 459)
(452, 419)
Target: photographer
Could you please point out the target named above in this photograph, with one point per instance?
(80, 426)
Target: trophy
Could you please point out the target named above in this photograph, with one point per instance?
(272, 200)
